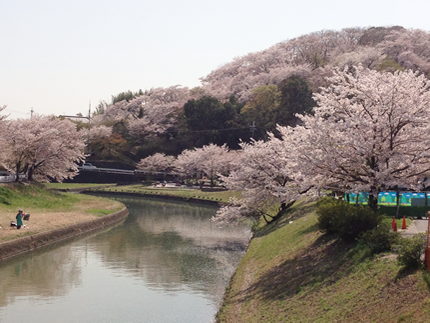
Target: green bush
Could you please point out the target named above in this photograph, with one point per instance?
(410, 250)
(379, 239)
(347, 221)
(374, 241)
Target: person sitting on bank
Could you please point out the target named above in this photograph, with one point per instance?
(19, 219)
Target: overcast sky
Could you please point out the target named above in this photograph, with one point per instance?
(57, 56)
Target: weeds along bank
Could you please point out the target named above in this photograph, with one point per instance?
(292, 272)
(54, 216)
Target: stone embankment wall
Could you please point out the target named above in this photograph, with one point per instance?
(25, 244)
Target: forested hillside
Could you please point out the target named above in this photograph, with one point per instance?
(248, 96)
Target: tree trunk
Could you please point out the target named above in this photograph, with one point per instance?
(18, 167)
(30, 174)
(282, 209)
(373, 202)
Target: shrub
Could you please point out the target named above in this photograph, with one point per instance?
(374, 241)
(345, 220)
(379, 239)
(410, 250)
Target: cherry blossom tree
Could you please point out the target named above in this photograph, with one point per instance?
(151, 113)
(43, 148)
(189, 164)
(211, 160)
(158, 162)
(266, 175)
(369, 57)
(369, 132)
(3, 152)
(409, 48)
(94, 133)
(215, 160)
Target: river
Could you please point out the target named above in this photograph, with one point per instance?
(167, 262)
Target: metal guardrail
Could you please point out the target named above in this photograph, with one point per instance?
(124, 171)
(107, 170)
(10, 178)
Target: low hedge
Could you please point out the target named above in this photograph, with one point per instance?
(407, 211)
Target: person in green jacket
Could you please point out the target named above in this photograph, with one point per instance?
(19, 219)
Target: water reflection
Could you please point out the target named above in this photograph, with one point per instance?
(166, 263)
(31, 276)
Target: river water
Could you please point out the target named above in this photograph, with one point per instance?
(167, 262)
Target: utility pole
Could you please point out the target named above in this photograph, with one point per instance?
(252, 129)
(31, 113)
(89, 111)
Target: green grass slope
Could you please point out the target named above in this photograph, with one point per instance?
(293, 273)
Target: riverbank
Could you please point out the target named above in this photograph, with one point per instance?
(53, 217)
(32, 242)
(294, 273)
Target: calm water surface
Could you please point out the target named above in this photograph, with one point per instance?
(166, 263)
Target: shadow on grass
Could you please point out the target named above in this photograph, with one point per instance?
(323, 263)
(404, 272)
(320, 263)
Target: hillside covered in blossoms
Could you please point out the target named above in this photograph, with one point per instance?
(250, 95)
(243, 100)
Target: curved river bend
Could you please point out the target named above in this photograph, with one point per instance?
(166, 263)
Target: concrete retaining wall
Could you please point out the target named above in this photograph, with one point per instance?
(25, 244)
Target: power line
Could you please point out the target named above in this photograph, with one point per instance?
(208, 130)
(14, 111)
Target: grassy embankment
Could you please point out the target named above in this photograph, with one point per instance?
(48, 210)
(293, 273)
(186, 193)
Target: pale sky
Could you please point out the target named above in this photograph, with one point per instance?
(57, 56)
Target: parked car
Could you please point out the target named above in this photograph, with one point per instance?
(88, 166)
